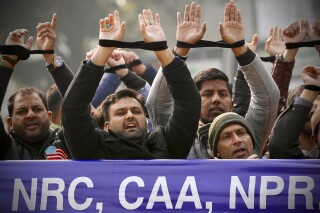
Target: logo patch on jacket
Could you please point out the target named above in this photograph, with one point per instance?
(54, 153)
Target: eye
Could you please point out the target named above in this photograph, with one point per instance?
(223, 94)
(136, 111)
(207, 94)
(21, 112)
(38, 109)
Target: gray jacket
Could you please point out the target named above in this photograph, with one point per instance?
(262, 109)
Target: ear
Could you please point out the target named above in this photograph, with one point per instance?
(50, 116)
(9, 123)
(106, 126)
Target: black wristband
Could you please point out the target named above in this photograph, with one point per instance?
(9, 60)
(295, 45)
(115, 68)
(270, 59)
(205, 43)
(134, 63)
(21, 52)
(155, 46)
(183, 58)
(312, 87)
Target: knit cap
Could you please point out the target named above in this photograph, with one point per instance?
(221, 122)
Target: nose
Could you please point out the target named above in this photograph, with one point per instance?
(30, 114)
(236, 138)
(129, 114)
(215, 98)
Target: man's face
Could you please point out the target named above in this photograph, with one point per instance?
(234, 143)
(30, 119)
(215, 100)
(127, 119)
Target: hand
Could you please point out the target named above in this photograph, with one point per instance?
(314, 33)
(232, 29)
(129, 56)
(151, 30)
(310, 75)
(46, 35)
(295, 32)
(274, 44)
(16, 37)
(115, 30)
(116, 59)
(253, 44)
(91, 52)
(188, 31)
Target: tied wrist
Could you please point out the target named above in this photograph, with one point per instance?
(11, 61)
(312, 88)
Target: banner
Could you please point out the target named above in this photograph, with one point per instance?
(160, 186)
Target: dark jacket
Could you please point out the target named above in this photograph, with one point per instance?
(173, 140)
(12, 147)
(284, 140)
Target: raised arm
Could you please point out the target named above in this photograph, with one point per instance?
(314, 33)
(75, 107)
(183, 123)
(264, 92)
(46, 39)
(160, 103)
(284, 140)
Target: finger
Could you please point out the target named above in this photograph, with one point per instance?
(29, 42)
(302, 24)
(116, 17)
(145, 17)
(179, 21)
(203, 28)
(54, 20)
(150, 17)
(141, 21)
(275, 32)
(280, 35)
(255, 39)
(271, 32)
(192, 11)
(236, 15)
(295, 27)
(157, 16)
(112, 22)
(102, 24)
(239, 16)
(46, 34)
(232, 12)
(227, 13)
(186, 13)
(41, 31)
(198, 14)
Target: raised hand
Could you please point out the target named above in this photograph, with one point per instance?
(150, 28)
(188, 30)
(111, 28)
(314, 33)
(253, 44)
(129, 56)
(310, 75)
(16, 37)
(295, 32)
(231, 30)
(91, 52)
(274, 44)
(46, 35)
(115, 59)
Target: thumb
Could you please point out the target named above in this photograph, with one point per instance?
(255, 39)
(29, 42)
(54, 20)
(203, 28)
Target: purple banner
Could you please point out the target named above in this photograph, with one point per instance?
(160, 186)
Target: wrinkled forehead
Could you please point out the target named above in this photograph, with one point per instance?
(27, 100)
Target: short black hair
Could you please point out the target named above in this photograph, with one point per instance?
(53, 99)
(113, 98)
(211, 74)
(25, 91)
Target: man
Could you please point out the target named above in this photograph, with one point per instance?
(231, 137)
(125, 129)
(213, 86)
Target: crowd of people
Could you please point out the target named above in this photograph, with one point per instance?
(132, 111)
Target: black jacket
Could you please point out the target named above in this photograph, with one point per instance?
(171, 141)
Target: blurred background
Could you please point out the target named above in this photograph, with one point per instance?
(78, 25)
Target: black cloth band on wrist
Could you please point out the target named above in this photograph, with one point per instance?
(155, 46)
(292, 45)
(205, 43)
(270, 59)
(21, 52)
(115, 68)
(312, 87)
(183, 58)
(134, 63)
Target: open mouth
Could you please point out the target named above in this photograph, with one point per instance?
(131, 125)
